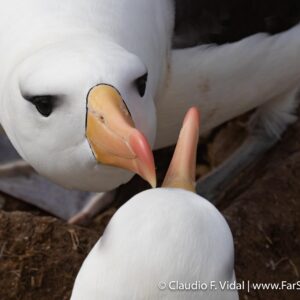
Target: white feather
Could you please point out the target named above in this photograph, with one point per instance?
(227, 81)
(160, 235)
(66, 48)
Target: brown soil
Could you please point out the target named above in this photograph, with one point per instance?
(40, 256)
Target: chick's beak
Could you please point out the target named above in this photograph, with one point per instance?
(112, 135)
(181, 172)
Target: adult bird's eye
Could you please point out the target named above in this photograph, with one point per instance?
(43, 104)
(141, 84)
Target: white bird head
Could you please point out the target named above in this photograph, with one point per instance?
(79, 107)
(162, 238)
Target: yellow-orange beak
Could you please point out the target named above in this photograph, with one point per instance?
(181, 172)
(113, 137)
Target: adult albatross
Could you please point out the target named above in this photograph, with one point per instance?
(64, 62)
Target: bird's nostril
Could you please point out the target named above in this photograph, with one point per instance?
(102, 119)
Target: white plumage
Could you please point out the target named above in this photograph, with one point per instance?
(161, 235)
(228, 80)
(64, 48)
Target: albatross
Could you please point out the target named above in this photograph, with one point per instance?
(77, 90)
(164, 243)
(89, 86)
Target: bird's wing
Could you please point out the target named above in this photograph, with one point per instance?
(226, 81)
(222, 21)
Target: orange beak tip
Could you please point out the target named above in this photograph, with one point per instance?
(144, 157)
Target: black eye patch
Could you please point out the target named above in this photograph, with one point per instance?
(43, 104)
(141, 84)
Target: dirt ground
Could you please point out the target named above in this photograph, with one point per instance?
(40, 255)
